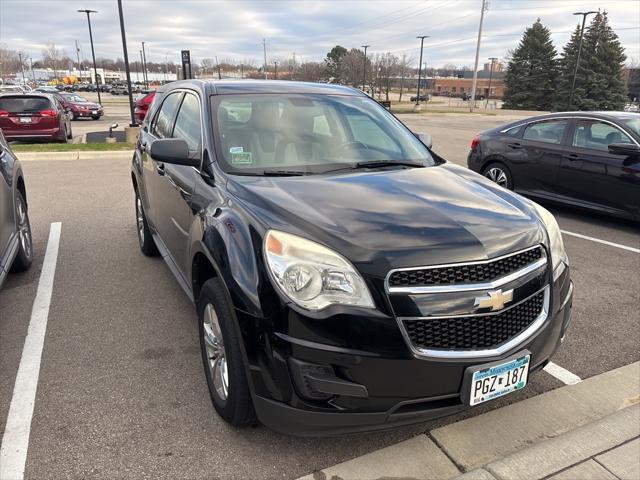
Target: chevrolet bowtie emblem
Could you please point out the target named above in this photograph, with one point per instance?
(495, 300)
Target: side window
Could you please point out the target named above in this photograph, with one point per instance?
(514, 131)
(188, 122)
(367, 132)
(550, 131)
(161, 126)
(596, 135)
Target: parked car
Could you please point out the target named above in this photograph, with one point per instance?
(423, 98)
(47, 89)
(80, 107)
(585, 159)
(16, 249)
(119, 90)
(34, 116)
(142, 106)
(346, 278)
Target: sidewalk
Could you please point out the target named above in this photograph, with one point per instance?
(590, 430)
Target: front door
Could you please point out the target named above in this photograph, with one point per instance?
(590, 174)
(178, 184)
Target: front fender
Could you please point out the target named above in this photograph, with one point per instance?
(232, 243)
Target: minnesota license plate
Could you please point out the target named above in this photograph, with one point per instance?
(94, 112)
(491, 381)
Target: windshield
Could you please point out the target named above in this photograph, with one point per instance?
(309, 133)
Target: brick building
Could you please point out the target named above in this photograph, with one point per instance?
(459, 86)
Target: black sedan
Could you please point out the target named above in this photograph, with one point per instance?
(586, 159)
(16, 251)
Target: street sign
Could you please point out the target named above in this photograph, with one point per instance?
(186, 64)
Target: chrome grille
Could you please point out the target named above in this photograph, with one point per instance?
(467, 273)
(475, 332)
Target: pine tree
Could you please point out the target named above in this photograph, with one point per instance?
(531, 74)
(599, 81)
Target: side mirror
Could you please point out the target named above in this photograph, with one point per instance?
(628, 149)
(174, 151)
(426, 139)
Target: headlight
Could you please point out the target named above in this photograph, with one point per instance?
(311, 275)
(558, 255)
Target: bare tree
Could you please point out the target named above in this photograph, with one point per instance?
(9, 61)
(52, 57)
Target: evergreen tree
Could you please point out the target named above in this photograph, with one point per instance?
(531, 74)
(599, 81)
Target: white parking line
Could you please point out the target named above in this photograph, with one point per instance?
(565, 376)
(15, 441)
(605, 242)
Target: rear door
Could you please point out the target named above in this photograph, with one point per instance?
(535, 157)
(590, 174)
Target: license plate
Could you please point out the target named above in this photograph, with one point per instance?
(94, 112)
(491, 381)
(25, 119)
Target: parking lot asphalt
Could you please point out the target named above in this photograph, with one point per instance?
(121, 390)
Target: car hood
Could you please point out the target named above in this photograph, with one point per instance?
(86, 105)
(396, 218)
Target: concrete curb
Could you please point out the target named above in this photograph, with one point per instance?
(564, 430)
(556, 454)
(75, 155)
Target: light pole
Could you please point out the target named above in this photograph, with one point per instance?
(493, 59)
(142, 68)
(22, 68)
(33, 75)
(126, 64)
(421, 37)
(144, 61)
(364, 74)
(93, 53)
(575, 71)
(275, 71)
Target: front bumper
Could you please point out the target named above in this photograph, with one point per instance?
(400, 387)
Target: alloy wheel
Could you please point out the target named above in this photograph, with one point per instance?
(497, 175)
(24, 230)
(216, 354)
(140, 219)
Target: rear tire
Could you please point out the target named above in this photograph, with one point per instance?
(145, 239)
(24, 257)
(70, 134)
(222, 356)
(499, 173)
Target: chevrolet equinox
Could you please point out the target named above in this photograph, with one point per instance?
(346, 278)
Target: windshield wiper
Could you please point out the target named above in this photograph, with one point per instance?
(387, 163)
(272, 173)
(377, 163)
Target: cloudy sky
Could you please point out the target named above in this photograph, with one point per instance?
(235, 28)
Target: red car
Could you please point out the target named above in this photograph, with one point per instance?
(34, 116)
(142, 106)
(80, 107)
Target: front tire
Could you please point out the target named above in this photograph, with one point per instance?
(499, 173)
(222, 357)
(24, 257)
(145, 240)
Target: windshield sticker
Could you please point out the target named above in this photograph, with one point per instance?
(241, 158)
(236, 150)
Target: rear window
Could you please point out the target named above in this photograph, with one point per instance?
(24, 104)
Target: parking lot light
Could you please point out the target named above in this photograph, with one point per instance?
(575, 71)
(126, 64)
(93, 53)
(421, 37)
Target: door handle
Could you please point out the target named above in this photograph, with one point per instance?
(160, 168)
(514, 145)
(571, 156)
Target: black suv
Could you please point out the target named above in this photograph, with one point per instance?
(16, 251)
(346, 278)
